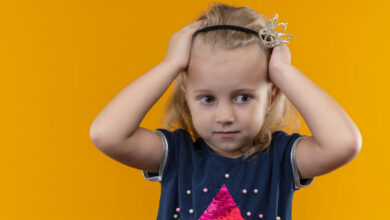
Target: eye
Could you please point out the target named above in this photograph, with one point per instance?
(206, 97)
(246, 97)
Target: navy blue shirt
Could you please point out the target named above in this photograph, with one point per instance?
(195, 179)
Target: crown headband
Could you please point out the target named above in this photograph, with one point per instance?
(267, 35)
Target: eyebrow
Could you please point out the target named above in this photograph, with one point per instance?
(238, 90)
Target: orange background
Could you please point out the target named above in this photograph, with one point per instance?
(61, 62)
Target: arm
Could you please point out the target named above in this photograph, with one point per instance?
(123, 114)
(116, 132)
(335, 138)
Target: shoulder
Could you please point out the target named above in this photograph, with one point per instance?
(178, 141)
(175, 135)
(281, 133)
(280, 137)
(282, 142)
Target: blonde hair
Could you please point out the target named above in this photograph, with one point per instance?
(282, 113)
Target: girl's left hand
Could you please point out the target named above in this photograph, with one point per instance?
(280, 57)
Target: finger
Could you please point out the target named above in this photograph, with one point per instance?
(196, 23)
(193, 26)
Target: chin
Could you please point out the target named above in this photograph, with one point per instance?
(228, 147)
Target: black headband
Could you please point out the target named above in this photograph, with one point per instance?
(232, 27)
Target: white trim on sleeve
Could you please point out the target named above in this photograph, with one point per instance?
(163, 160)
(298, 182)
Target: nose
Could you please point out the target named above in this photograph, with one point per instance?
(224, 113)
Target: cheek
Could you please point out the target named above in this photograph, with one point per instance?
(202, 125)
(254, 118)
(198, 115)
(201, 118)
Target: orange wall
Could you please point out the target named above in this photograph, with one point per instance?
(61, 62)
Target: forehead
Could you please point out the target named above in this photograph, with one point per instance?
(222, 69)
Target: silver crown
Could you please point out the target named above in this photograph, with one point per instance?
(271, 38)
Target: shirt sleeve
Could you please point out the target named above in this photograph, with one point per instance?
(298, 182)
(156, 177)
(173, 141)
(286, 149)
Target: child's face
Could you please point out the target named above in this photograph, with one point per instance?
(221, 107)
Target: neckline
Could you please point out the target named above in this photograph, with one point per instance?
(220, 157)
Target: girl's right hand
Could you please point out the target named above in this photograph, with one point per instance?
(179, 48)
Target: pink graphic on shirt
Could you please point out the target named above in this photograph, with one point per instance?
(222, 207)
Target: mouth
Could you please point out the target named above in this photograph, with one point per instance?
(227, 133)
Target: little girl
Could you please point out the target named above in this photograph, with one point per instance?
(227, 157)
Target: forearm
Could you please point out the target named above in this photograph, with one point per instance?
(123, 114)
(329, 124)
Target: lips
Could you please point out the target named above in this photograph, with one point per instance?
(227, 134)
